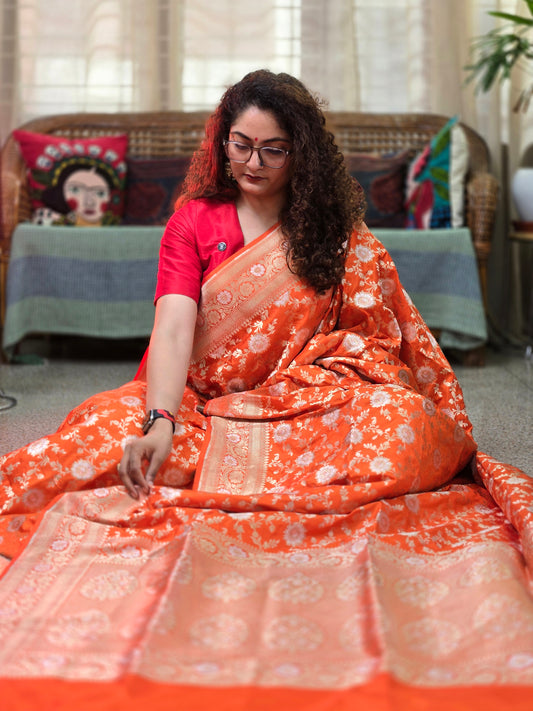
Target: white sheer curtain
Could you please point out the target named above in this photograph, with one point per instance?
(131, 55)
(367, 55)
(405, 55)
(134, 55)
(83, 55)
(225, 39)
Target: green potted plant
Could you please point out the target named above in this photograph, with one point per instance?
(495, 55)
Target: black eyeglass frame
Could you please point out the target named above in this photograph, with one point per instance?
(287, 153)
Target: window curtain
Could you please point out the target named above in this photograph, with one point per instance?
(225, 39)
(8, 53)
(133, 55)
(409, 55)
(86, 55)
(366, 55)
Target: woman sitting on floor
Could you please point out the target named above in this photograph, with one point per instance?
(287, 447)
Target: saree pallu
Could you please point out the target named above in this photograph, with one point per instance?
(323, 535)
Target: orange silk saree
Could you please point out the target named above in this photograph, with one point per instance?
(323, 536)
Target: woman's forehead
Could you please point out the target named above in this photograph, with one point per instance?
(258, 125)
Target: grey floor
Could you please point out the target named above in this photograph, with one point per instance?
(499, 396)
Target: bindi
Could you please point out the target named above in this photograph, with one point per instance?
(255, 139)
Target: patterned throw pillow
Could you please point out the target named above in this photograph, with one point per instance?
(382, 178)
(75, 181)
(436, 178)
(152, 187)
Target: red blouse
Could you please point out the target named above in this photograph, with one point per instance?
(197, 238)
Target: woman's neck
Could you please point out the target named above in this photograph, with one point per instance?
(257, 216)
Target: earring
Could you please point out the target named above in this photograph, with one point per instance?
(229, 172)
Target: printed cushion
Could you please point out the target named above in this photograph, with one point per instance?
(435, 180)
(382, 178)
(75, 181)
(152, 187)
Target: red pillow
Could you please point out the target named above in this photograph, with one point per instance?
(152, 188)
(75, 181)
(382, 178)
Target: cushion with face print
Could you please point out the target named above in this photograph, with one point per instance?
(75, 181)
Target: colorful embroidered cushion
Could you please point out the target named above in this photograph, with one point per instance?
(382, 178)
(152, 187)
(435, 180)
(76, 181)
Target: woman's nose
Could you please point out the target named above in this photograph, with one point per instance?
(254, 160)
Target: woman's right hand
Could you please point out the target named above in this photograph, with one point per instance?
(168, 359)
(145, 453)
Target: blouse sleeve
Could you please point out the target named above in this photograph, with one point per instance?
(180, 268)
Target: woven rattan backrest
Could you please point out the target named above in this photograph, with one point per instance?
(382, 133)
(166, 134)
(150, 135)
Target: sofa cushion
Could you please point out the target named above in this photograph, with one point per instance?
(436, 180)
(382, 178)
(152, 187)
(75, 181)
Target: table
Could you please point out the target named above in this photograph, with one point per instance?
(100, 282)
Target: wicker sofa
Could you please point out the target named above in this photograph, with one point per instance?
(169, 134)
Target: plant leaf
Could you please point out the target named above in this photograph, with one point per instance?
(497, 54)
(517, 19)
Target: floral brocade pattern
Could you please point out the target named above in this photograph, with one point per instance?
(272, 598)
(356, 368)
(283, 377)
(323, 520)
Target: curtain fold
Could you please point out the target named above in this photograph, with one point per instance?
(104, 55)
(330, 52)
(9, 52)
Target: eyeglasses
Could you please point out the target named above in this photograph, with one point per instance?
(269, 156)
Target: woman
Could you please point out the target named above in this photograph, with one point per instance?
(268, 159)
(325, 341)
(295, 533)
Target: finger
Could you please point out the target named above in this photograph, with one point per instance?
(136, 475)
(130, 472)
(128, 483)
(153, 468)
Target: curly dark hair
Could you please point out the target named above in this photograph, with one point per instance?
(324, 202)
